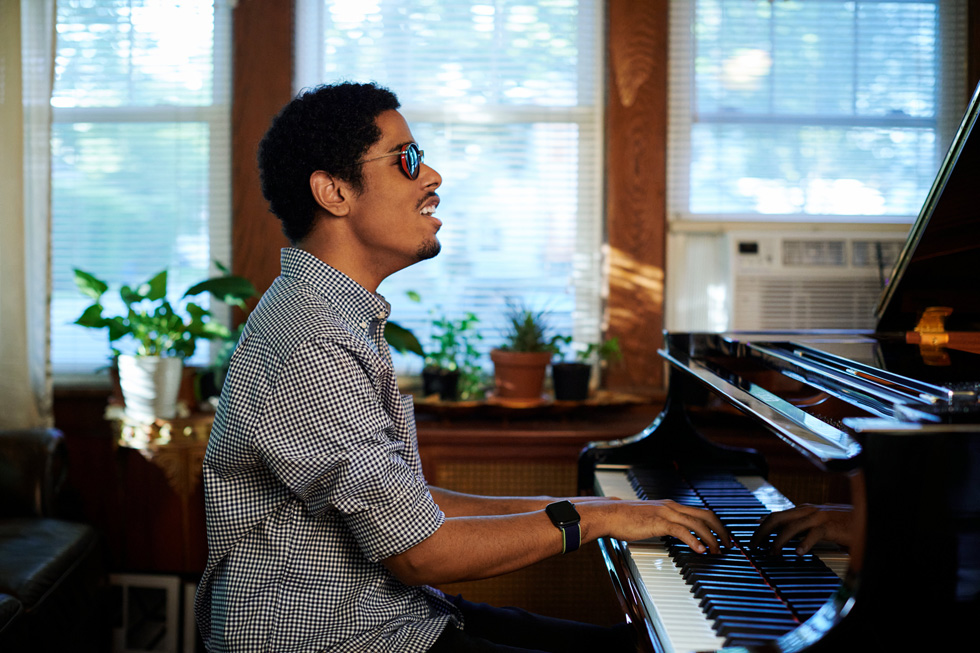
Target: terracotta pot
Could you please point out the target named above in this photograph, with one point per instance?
(519, 374)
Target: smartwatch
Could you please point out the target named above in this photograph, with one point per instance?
(566, 519)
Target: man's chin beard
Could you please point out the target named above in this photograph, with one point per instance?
(428, 249)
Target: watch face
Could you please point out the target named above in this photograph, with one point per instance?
(562, 513)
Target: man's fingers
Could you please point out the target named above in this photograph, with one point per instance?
(811, 539)
(777, 522)
(709, 520)
(685, 535)
(794, 528)
(705, 525)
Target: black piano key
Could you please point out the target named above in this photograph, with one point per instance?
(693, 572)
(731, 604)
(718, 609)
(732, 584)
(708, 595)
(727, 575)
(731, 627)
(809, 606)
(801, 591)
(709, 559)
(810, 573)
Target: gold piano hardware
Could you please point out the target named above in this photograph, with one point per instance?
(933, 339)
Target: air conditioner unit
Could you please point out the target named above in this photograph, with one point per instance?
(807, 281)
(798, 277)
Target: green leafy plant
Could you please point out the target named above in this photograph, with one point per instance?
(401, 339)
(234, 291)
(606, 351)
(453, 342)
(454, 350)
(528, 332)
(157, 328)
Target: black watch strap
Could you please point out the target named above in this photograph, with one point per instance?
(571, 537)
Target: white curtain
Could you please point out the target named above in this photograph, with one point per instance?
(26, 74)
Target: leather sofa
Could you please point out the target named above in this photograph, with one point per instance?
(52, 578)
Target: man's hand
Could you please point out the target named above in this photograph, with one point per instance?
(638, 520)
(826, 522)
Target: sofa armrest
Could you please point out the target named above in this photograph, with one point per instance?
(33, 467)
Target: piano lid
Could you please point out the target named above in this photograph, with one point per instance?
(941, 258)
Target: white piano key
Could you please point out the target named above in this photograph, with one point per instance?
(677, 617)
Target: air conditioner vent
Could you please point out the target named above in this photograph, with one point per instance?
(872, 253)
(773, 302)
(814, 252)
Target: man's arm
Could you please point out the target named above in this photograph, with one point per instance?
(474, 547)
(458, 504)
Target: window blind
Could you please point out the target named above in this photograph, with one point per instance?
(505, 97)
(811, 110)
(140, 156)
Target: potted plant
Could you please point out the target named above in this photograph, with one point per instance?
(520, 364)
(159, 337)
(234, 291)
(451, 369)
(570, 379)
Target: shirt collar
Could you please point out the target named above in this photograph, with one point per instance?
(355, 304)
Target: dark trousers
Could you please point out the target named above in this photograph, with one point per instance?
(487, 629)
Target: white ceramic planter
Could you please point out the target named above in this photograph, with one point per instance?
(150, 385)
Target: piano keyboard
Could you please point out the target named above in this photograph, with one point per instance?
(737, 598)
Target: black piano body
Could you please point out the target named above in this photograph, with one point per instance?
(894, 413)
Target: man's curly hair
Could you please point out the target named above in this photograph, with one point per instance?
(328, 128)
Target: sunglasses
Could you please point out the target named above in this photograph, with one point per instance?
(411, 159)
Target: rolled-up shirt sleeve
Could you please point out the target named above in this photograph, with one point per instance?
(327, 435)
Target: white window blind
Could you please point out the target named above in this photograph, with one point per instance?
(140, 155)
(811, 110)
(505, 97)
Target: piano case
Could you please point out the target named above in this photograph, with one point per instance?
(895, 411)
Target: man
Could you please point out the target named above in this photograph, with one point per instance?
(322, 532)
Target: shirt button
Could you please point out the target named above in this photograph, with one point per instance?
(364, 325)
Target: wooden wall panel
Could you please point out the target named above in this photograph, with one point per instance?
(636, 179)
(262, 85)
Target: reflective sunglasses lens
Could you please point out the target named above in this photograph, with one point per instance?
(411, 158)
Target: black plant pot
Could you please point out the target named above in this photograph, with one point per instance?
(445, 383)
(571, 381)
(209, 382)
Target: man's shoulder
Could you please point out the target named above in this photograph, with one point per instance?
(292, 313)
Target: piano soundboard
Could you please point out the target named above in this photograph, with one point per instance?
(741, 597)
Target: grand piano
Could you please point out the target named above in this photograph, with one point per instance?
(892, 416)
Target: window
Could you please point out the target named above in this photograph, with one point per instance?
(505, 97)
(140, 155)
(811, 110)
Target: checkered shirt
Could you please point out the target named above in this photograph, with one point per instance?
(312, 477)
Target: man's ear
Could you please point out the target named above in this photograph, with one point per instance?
(330, 193)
